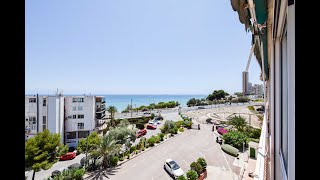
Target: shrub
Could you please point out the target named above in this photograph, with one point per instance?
(222, 131)
(151, 141)
(156, 139)
(197, 167)
(152, 115)
(132, 149)
(202, 162)
(251, 108)
(179, 123)
(187, 124)
(174, 130)
(181, 178)
(230, 150)
(142, 149)
(168, 125)
(114, 160)
(128, 156)
(192, 175)
(235, 138)
(78, 174)
(121, 159)
(140, 126)
(181, 129)
(161, 135)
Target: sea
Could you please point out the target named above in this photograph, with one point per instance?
(122, 101)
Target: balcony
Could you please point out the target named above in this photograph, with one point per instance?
(100, 115)
(101, 110)
(262, 159)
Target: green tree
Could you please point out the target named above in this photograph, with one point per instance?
(181, 178)
(239, 122)
(108, 148)
(192, 102)
(121, 134)
(196, 167)
(202, 162)
(192, 175)
(112, 110)
(238, 94)
(42, 150)
(168, 125)
(235, 138)
(217, 94)
(89, 145)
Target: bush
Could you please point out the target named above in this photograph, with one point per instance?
(140, 126)
(202, 162)
(151, 141)
(114, 160)
(179, 123)
(197, 167)
(168, 125)
(128, 156)
(156, 139)
(181, 178)
(174, 130)
(187, 124)
(260, 117)
(192, 175)
(161, 135)
(181, 129)
(235, 138)
(132, 149)
(222, 131)
(152, 115)
(230, 150)
(78, 174)
(121, 159)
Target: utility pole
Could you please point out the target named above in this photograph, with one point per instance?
(131, 107)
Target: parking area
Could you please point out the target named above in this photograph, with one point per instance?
(184, 149)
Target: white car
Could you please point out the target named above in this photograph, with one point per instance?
(173, 168)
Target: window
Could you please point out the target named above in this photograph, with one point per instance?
(44, 127)
(74, 108)
(71, 135)
(77, 99)
(83, 134)
(32, 100)
(74, 116)
(44, 102)
(80, 125)
(80, 116)
(44, 120)
(284, 101)
(80, 108)
(32, 120)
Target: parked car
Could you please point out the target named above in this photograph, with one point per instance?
(151, 126)
(68, 156)
(58, 172)
(173, 168)
(75, 165)
(73, 149)
(151, 122)
(141, 132)
(146, 112)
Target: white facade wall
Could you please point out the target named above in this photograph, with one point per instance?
(56, 115)
(72, 112)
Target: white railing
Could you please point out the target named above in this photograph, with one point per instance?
(261, 155)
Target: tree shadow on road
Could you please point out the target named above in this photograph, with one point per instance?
(101, 173)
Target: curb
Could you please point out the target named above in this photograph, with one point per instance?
(148, 149)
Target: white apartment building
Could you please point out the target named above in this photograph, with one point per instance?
(83, 115)
(273, 31)
(43, 112)
(257, 89)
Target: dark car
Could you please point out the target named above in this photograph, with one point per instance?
(75, 165)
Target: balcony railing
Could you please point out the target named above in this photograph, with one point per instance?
(261, 155)
(100, 110)
(100, 115)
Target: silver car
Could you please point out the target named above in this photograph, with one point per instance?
(173, 168)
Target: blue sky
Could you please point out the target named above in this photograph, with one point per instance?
(135, 47)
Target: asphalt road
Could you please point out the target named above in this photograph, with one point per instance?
(184, 149)
(60, 164)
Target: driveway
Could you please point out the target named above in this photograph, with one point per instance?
(184, 149)
(60, 164)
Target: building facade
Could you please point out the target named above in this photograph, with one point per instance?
(73, 117)
(257, 89)
(272, 24)
(245, 81)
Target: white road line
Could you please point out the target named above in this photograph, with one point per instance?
(193, 156)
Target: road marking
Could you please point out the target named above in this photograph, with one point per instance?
(192, 156)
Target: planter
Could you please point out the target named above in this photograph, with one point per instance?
(203, 175)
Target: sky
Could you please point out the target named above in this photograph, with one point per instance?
(135, 47)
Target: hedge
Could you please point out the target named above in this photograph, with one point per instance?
(230, 150)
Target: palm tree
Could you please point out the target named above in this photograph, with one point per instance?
(107, 148)
(112, 110)
(239, 122)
